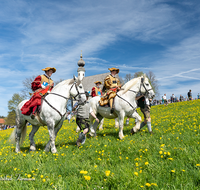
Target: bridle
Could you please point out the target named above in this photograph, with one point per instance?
(142, 84)
(78, 93)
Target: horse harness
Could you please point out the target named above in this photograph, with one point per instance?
(78, 94)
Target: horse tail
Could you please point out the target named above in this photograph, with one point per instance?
(23, 134)
(19, 125)
(12, 137)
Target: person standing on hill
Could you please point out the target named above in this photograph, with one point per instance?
(190, 95)
(165, 100)
(181, 98)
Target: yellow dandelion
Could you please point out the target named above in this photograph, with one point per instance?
(107, 172)
(148, 184)
(87, 178)
(146, 163)
(197, 164)
(83, 172)
(135, 173)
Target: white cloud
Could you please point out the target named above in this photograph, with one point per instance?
(38, 34)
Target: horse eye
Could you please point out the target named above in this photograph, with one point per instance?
(147, 84)
(80, 86)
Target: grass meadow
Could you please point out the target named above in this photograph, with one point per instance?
(169, 159)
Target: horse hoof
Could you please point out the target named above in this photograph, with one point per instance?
(31, 150)
(46, 150)
(132, 131)
(54, 151)
(91, 134)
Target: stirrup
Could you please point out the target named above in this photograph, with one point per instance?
(32, 116)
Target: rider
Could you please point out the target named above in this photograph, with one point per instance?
(145, 107)
(82, 120)
(112, 85)
(41, 85)
(96, 91)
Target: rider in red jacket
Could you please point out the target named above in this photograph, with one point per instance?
(41, 85)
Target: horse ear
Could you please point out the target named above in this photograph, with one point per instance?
(144, 75)
(75, 78)
(142, 79)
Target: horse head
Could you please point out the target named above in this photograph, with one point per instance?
(77, 90)
(146, 88)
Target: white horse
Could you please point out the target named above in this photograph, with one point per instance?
(52, 114)
(124, 103)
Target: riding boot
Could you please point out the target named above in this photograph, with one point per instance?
(81, 139)
(111, 105)
(33, 112)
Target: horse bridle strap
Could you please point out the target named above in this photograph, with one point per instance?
(142, 84)
(76, 90)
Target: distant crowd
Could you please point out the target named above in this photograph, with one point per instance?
(4, 127)
(174, 98)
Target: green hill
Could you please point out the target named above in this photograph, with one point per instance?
(169, 159)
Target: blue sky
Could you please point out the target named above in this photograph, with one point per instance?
(158, 35)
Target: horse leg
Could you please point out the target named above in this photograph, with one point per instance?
(116, 122)
(31, 136)
(47, 147)
(138, 120)
(101, 125)
(93, 127)
(52, 137)
(121, 125)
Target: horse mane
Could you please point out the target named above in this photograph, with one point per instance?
(65, 82)
(128, 85)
